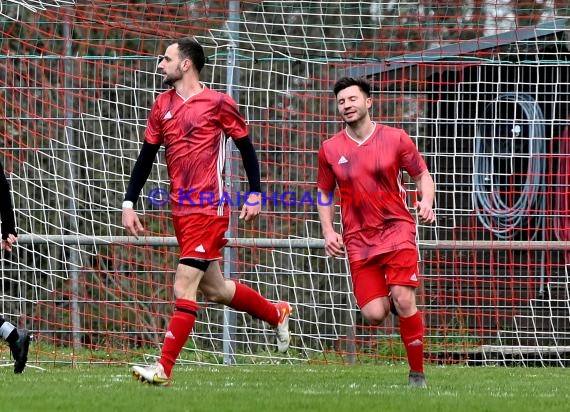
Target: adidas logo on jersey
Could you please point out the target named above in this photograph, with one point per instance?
(200, 249)
(414, 277)
(342, 160)
(169, 335)
(168, 115)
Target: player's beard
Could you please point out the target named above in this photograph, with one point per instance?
(170, 79)
(355, 120)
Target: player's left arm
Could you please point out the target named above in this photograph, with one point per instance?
(252, 207)
(233, 124)
(426, 188)
(9, 235)
(413, 163)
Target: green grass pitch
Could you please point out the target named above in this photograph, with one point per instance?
(287, 388)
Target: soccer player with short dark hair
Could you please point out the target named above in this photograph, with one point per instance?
(18, 339)
(193, 123)
(366, 160)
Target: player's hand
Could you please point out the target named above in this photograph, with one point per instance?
(425, 212)
(132, 223)
(334, 246)
(251, 208)
(7, 244)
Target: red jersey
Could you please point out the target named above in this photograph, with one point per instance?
(194, 134)
(370, 191)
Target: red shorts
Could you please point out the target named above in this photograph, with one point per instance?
(372, 277)
(200, 236)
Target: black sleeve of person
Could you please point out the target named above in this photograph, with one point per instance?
(6, 207)
(141, 170)
(250, 163)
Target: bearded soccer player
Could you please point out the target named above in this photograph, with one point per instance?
(18, 339)
(365, 161)
(193, 123)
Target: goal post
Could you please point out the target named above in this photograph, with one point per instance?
(77, 80)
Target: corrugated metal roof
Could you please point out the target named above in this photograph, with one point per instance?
(462, 48)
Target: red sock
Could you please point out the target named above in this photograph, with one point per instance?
(248, 300)
(179, 329)
(412, 332)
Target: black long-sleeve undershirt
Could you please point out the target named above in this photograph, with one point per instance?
(141, 170)
(250, 163)
(6, 207)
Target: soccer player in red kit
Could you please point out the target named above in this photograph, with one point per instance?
(365, 162)
(193, 123)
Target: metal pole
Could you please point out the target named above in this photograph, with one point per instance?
(289, 243)
(73, 257)
(231, 169)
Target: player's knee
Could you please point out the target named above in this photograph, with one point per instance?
(219, 293)
(375, 316)
(405, 305)
(375, 319)
(215, 296)
(180, 291)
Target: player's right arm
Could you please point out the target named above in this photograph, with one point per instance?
(326, 180)
(139, 175)
(141, 171)
(334, 245)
